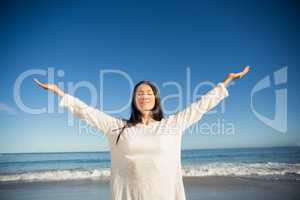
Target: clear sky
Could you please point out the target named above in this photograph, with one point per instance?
(161, 41)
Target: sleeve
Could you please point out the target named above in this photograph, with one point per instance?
(93, 117)
(194, 112)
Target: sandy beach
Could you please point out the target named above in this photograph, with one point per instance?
(228, 188)
(196, 188)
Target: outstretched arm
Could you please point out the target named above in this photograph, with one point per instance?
(50, 87)
(232, 76)
(194, 112)
(90, 115)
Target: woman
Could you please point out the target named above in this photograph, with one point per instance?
(146, 149)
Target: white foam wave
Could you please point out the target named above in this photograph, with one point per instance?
(242, 169)
(56, 175)
(211, 169)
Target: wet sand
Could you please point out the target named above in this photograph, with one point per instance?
(196, 188)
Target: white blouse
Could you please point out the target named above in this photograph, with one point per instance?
(146, 162)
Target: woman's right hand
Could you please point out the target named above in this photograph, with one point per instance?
(51, 87)
(232, 76)
(240, 74)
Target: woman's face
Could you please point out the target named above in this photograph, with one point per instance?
(144, 98)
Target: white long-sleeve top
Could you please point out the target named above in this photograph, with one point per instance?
(146, 164)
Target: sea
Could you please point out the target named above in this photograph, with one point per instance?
(266, 163)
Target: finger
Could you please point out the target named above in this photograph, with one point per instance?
(247, 68)
(39, 83)
(245, 71)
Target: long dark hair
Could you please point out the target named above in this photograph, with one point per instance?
(136, 115)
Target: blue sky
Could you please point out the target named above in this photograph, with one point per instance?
(157, 41)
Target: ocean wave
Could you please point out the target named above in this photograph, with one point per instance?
(57, 175)
(242, 169)
(209, 169)
(56, 161)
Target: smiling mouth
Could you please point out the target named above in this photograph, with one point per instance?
(144, 102)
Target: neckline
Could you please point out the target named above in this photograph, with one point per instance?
(149, 123)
